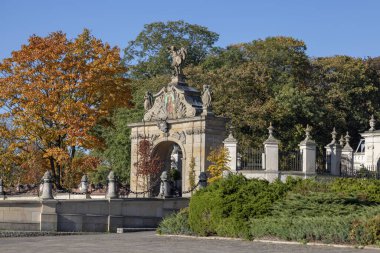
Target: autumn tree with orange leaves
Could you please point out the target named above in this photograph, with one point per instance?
(53, 91)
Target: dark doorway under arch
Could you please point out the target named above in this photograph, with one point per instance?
(170, 154)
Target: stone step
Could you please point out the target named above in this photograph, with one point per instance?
(131, 230)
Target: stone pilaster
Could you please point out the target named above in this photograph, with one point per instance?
(230, 143)
(308, 150)
(271, 151)
(347, 159)
(333, 155)
(372, 145)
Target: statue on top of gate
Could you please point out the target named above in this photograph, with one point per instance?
(178, 59)
(177, 100)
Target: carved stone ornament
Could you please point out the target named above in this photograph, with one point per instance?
(172, 102)
(181, 136)
(152, 137)
(195, 131)
(163, 126)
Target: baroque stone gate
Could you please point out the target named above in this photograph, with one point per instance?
(178, 115)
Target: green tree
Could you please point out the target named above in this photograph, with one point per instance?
(148, 56)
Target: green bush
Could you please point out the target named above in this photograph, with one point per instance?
(225, 207)
(360, 228)
(366, 189)
(176, 224)
(337, 211)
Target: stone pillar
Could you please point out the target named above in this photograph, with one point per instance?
(111, 192)
(333, 155)
(230, 143)
(202, 180)
(347, 158)
(271, 156)
(2, 194)
(271, 151)
(308, 150)
(372, 146)
(47, 192)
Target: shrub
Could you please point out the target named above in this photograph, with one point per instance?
(176, 224)
(354, 228)
(224, 207)
(367, 189)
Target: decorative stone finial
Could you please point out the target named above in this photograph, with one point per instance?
(230, 137)
(347, 140)
(307, 131)
(341, 140)
(308, 140)
(347, 137)
(333, 135)
(270, 130)
(372, 123)
(271, 138)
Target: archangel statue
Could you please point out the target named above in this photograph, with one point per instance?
(178, 58)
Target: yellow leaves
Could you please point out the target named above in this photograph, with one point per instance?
(219, 158)
(58, 154)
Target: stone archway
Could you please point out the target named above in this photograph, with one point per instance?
(178, 114)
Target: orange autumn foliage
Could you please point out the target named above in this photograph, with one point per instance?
(55, 90)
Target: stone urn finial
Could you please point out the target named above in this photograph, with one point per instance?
(372, 123)
(347, 137)
(341, 140)
(333, 135)
(307, 132)
(270, 129)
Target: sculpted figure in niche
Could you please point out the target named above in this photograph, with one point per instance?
(178, 58)
(148, 102)
(206, 96)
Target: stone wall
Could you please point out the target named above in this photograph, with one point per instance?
(85, 215)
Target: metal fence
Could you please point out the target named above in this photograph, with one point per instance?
(347, 170)
(291, 161)
(250, 159)
(323, 163)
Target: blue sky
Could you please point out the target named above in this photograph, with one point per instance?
(329, 27)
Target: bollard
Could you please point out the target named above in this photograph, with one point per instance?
(2, 194)
(202, 180)
(165, 185)
(47, 192)
(84, 184)
(111, 192)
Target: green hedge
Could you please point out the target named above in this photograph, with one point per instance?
(225, 207)
(360, 229)
(338, 211)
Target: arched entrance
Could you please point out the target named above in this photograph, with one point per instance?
(180, 124)
(171, 155)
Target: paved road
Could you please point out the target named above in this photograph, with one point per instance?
(143, 242)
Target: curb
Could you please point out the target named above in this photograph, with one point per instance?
(273, 241)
